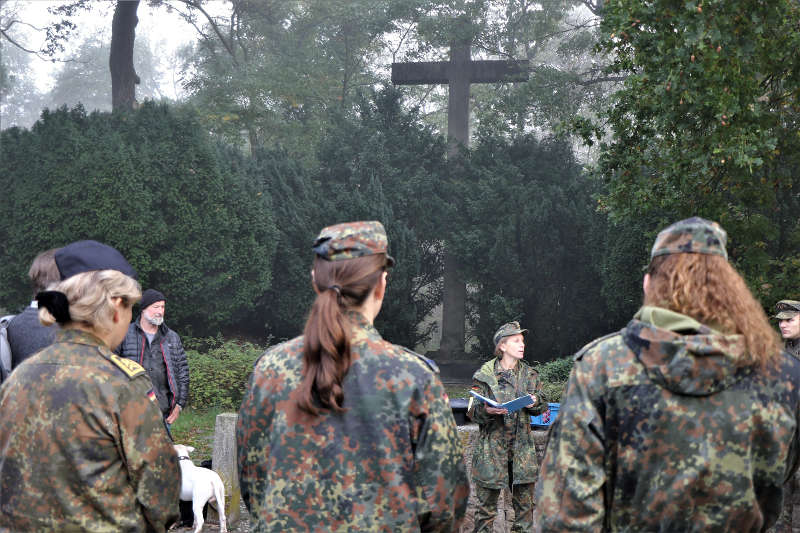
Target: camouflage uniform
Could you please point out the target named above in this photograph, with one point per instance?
(84, 447)
(391, 462)
(660, 431)
(786, 309)
(789, 520)
(505, 447)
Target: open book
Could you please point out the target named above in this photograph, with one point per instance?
(513, 405)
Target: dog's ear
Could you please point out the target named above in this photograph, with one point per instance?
(189, 449)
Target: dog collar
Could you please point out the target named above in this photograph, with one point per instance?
(183, 458)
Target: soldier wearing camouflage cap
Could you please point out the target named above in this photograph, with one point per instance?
(341, 430)
(687, 418)
(788, 314)
(83, 444)
(504, 454)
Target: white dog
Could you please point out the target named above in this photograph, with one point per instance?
(200, 485)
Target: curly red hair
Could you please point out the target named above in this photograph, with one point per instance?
(708, 289)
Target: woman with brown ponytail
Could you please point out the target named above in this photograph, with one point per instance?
(341, 430)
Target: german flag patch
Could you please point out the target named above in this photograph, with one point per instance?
(130, 368)
(152, 395)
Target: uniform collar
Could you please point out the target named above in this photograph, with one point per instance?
(78, 336)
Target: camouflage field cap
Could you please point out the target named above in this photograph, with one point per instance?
(352, 239)
(506, 330)
(786, 309)
(691, 236)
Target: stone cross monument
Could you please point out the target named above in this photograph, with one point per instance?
(458, 73)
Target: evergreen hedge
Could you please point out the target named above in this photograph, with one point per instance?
(184, 211)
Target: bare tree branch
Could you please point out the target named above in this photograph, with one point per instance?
(228, 45)
(15, 43)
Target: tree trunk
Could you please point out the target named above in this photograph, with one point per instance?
(123, 75)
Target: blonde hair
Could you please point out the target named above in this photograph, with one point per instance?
(90, 296)
(708, 289)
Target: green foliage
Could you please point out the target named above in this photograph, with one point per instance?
(553, 391)
(219, 376)
(554, 375)
(379, 164)
(555, 371)
(150, 183)
(706, 124)
(282, 65)
(531, 239)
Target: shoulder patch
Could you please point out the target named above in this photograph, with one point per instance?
(582, 351)
(130, 368)
(430, 362)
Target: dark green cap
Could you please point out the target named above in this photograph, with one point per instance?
(506, 330)
(352, 239)
(691, 236)
(786, 309)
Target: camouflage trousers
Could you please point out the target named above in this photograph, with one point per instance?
(486, 508)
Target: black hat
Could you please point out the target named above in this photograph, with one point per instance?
(77, 258)
(85, 256)
(151, 296)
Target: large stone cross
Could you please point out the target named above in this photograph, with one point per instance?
(458, 73)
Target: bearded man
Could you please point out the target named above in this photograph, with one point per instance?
(158, 349)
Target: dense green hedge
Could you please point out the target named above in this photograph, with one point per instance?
(219, 371)
(554, 375)
(183, 210)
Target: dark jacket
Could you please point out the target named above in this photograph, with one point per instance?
(659, 430)
(169, 344)
(26, 335)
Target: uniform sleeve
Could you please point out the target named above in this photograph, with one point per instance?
(252, 438)
(181, 370)
(441, 479)
(569, 493)
(535, 388)
(476, 410)
(150, 459)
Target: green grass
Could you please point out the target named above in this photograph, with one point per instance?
(196, 428)
(457, 391)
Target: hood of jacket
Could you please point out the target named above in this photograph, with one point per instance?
(486, 374)
(682, 355)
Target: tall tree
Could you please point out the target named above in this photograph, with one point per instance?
(123, 75)
(87, 80)
(707, 123)
(276, 67)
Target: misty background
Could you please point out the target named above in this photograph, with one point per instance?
(256, 123)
